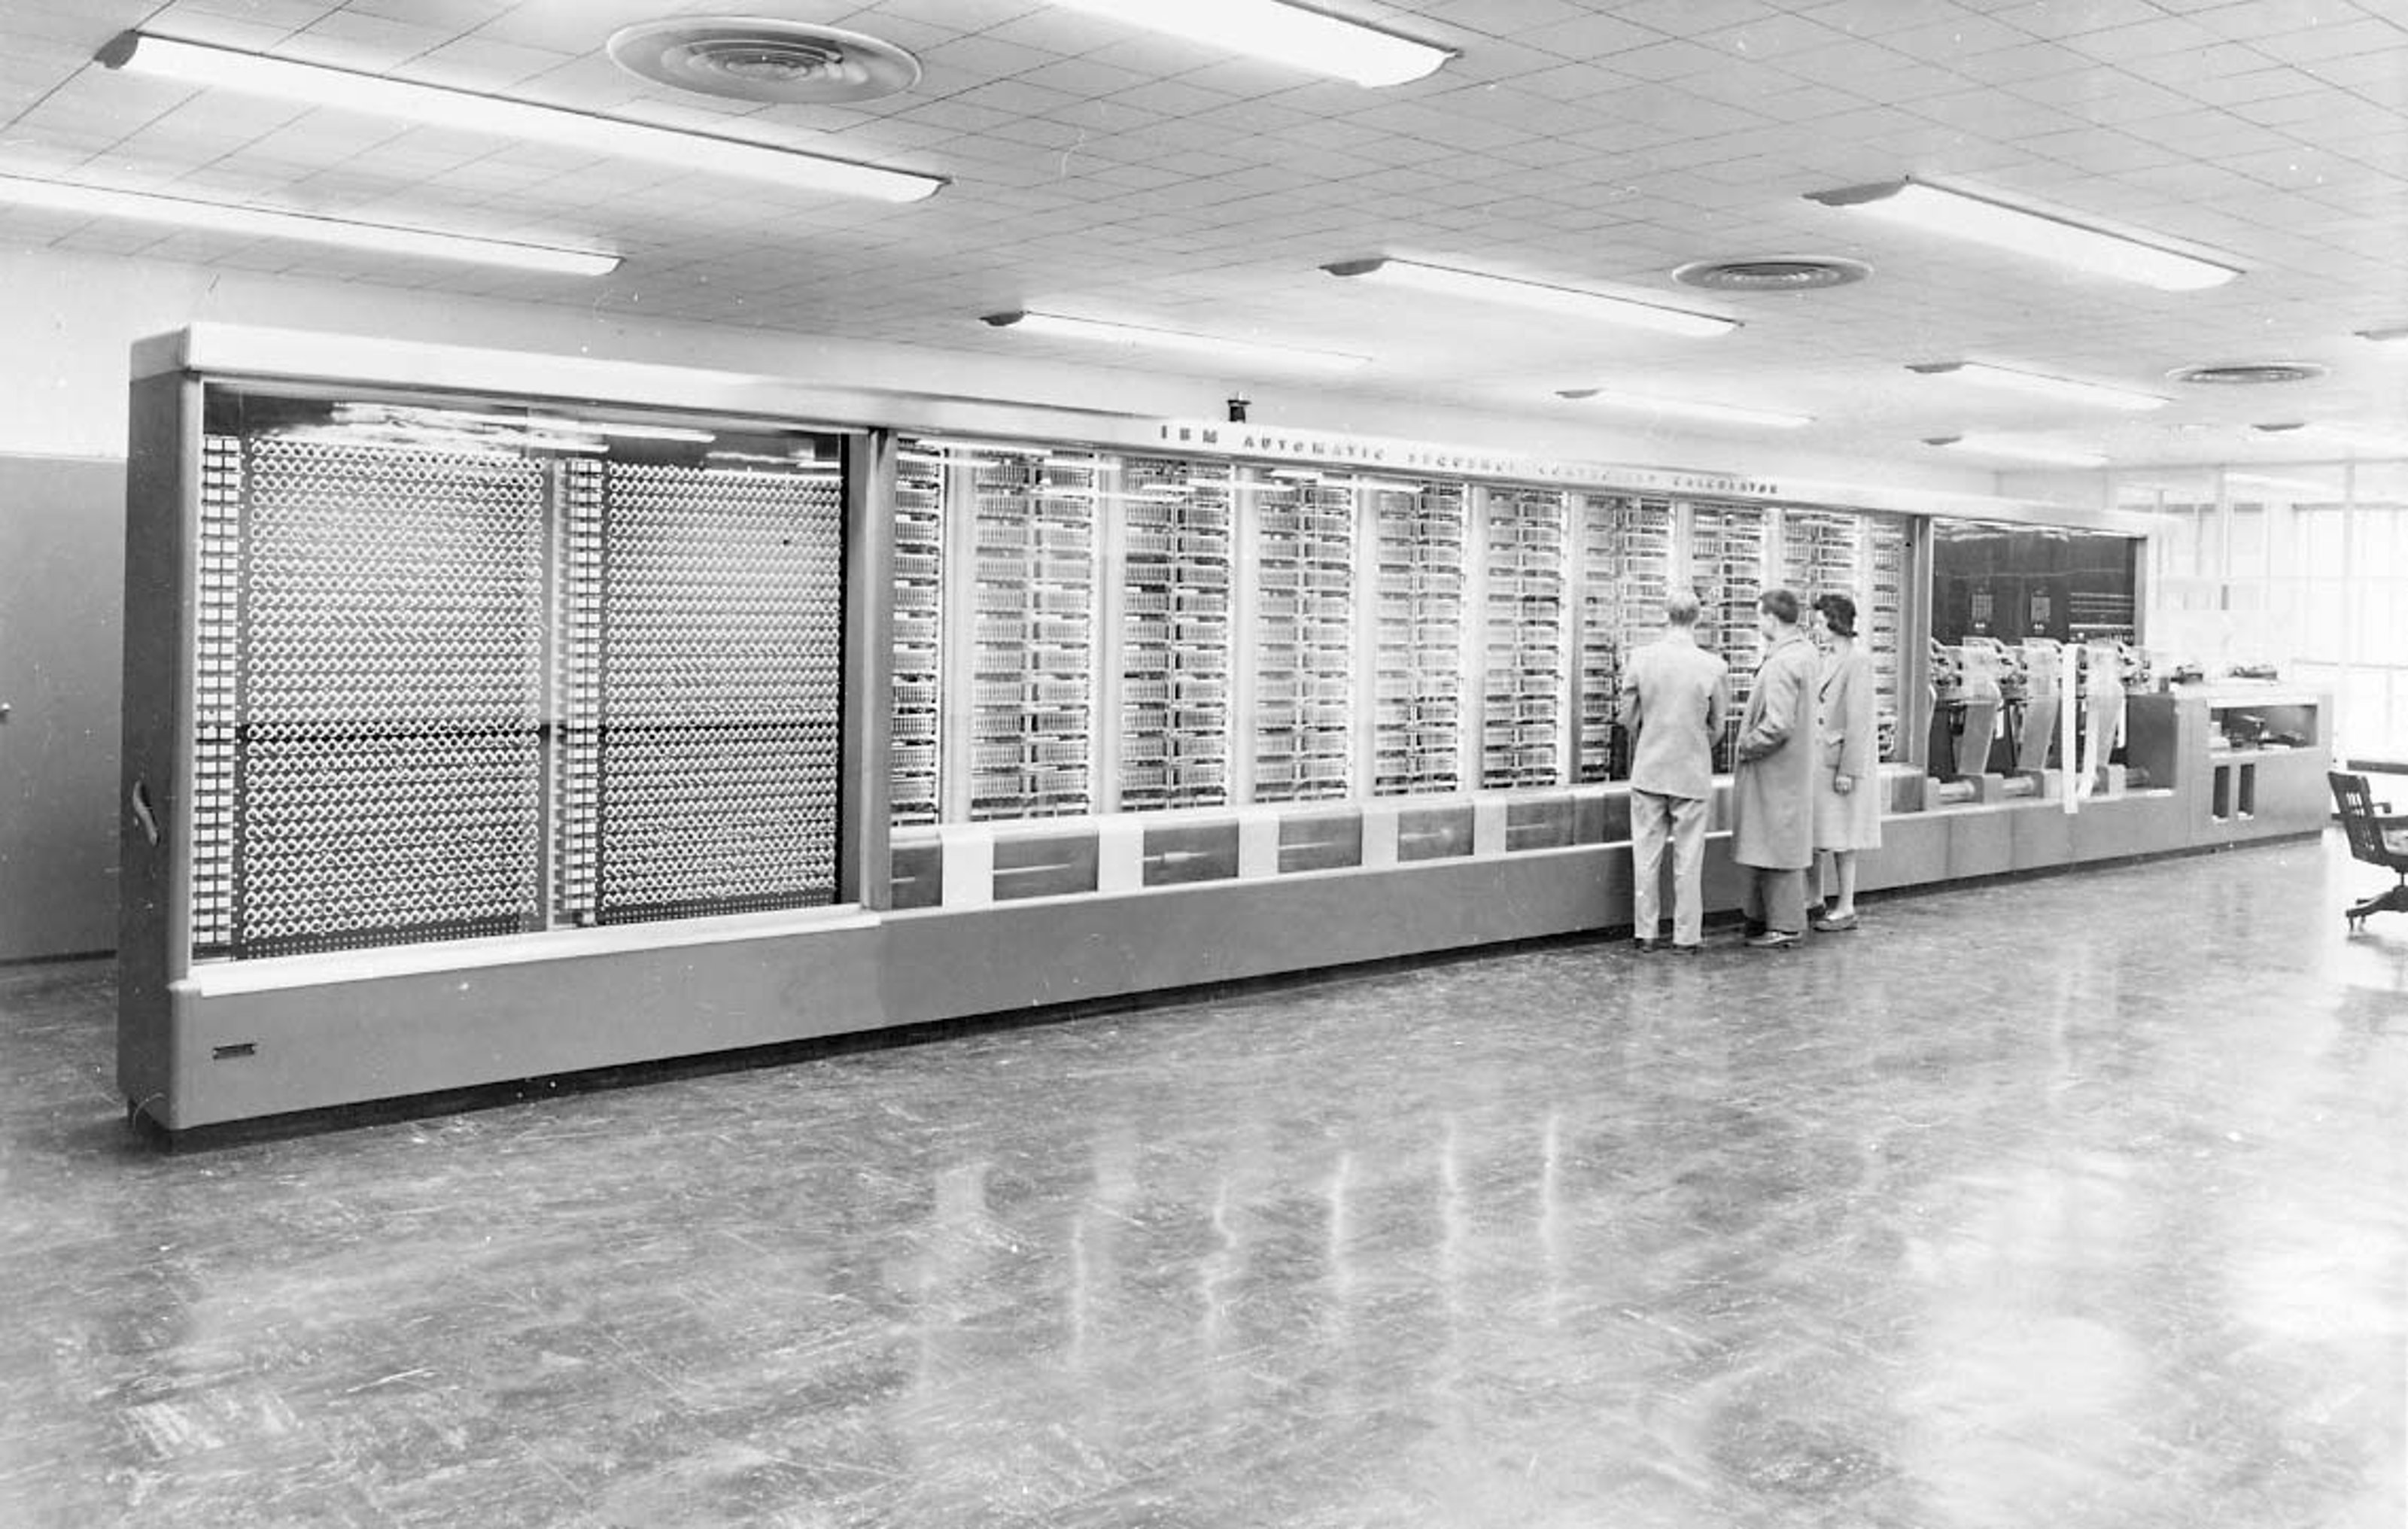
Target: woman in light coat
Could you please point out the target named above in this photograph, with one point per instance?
(1847, 772)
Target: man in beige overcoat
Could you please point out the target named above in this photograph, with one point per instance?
(1772, 790)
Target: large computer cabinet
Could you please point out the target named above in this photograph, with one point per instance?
(494, 717)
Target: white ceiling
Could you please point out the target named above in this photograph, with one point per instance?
(1102, 171)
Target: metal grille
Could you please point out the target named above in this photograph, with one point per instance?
(388, 760)
(721, 686)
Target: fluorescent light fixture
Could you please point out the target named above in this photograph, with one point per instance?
(1283, 33)
(992, 447)
(2041, 385)
(1688, 409)
(1447, 281)
(1166, 339)
(260, 222)
(604, 428)
(2020, 451)
(413, 415)
(771, 464)
(434, 106)
(1982, 220)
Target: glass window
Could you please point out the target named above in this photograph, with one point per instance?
(2378, 621)
(2364, 714)
(2376, 538)
(2247, 540)
(2320, 628)
(2316, 542)
(2177, 543)
(2210, 543)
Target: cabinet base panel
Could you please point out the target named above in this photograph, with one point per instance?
(495, 1033)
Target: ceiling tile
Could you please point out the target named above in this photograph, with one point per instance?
(1097, 163)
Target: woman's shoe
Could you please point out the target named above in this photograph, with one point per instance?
(1828, 925)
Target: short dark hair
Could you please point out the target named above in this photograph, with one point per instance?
(1841, 611)
(1779, 604)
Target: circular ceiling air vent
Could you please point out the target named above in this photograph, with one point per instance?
(1781, 273)
(2248, 374)
(752, 57)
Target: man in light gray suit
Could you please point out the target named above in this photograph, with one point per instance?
(1674, 695)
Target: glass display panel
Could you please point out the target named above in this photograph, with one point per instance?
(1883, 623)
(1174, 738)
(914, 782)
(1728, 549)
(722, 687)
(1626, 573)
(1417, 744)
(1821, 554)
(1303, 635)
(1032, 630)
(1862, 556)
(471, 667)
(1985, 579)
(1522, 721)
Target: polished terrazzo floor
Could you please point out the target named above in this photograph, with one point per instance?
(2066, 1203)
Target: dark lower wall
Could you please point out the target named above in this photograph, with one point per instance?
(62, 607)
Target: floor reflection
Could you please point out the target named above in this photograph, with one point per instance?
(2029, 1203)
